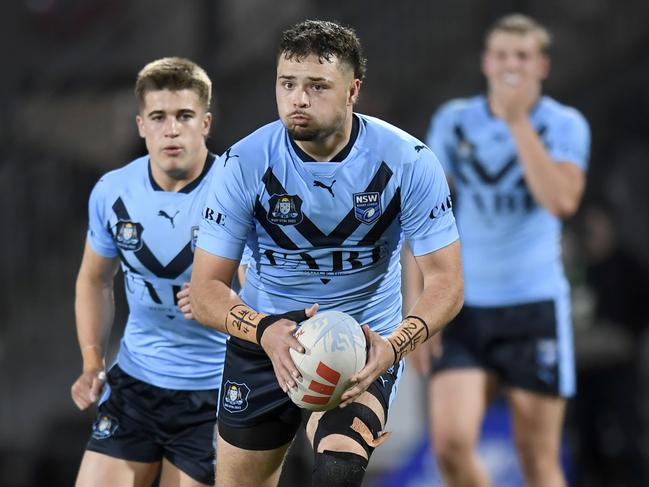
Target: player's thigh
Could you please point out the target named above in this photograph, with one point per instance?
(238, 467)
(537, 420)
(458, 399)
(99, 470)
(172, 476)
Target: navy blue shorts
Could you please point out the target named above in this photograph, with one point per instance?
(528, 346)
(254, 412)
(144, 423)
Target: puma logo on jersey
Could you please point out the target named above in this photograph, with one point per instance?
(320, 184)
(164, 214)
(228, 156)
(419, 147)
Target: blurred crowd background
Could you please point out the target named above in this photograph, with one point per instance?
(68, 116)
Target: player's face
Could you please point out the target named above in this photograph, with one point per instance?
(514, 59)
(174, 125)
(314, 98)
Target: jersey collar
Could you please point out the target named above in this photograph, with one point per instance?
(191, 186)
(338, 157)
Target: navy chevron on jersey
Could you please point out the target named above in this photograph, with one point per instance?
(154, 234)
(510, 244)
(328, 232)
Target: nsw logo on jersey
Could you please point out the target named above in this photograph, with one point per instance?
(285, 209)
(367, 207)
(235, 397)
(128, 235)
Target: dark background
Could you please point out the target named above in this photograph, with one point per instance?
(68, 116)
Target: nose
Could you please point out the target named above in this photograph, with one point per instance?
(301, 99)
(172, 127)
(511, 61)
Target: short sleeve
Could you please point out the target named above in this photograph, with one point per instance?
(426, 212)
(99, 236)
(229, 208)
(570, 140)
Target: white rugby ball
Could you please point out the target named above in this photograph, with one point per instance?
(334, 350)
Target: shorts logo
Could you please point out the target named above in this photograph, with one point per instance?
(235, 397)
(104, 426)
(367, 207)
(547, 356)
(128, 235)
(194, 237)
(285, 209)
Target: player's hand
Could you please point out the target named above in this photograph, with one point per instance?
(88, 388)
(183, 302)
(422, 356)
(380, 357)
(514, 97)
(276, 341)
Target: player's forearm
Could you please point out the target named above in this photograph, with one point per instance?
(438, 303)
(216, 305)
(95, 311)
(545, 179)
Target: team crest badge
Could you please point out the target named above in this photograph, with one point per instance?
(285, 209)
(104, 426)
(367, 207)
(465, 149)
(194, 237)
(128, 235)
(547, 357)
(235, 397)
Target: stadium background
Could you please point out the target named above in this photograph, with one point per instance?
(67, 116)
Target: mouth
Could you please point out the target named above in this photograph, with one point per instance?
(172, 150)
(512, 79)
(298, 118)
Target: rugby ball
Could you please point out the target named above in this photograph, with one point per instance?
(334, 350)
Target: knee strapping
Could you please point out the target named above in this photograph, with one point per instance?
(341, 469)
(356, 421)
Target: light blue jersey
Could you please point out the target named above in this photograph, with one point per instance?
(510, 245)
(154, 233)
(328, 232)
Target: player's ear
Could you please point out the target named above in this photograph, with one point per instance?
(354, 91)
(545, 66)
(140, 126)
(207, 124)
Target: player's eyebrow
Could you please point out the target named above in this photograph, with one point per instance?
(178, 112)
(310, 78)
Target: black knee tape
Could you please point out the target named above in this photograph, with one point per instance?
(339, 421)
(340, 469)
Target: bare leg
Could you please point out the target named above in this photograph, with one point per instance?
(537, 423)
(458, 400)
(99, 470)
(236, 467)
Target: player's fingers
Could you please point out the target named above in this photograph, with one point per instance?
(79, 398)
(311, 310)
(283, 377)
(291, 371)
(294, 343)
(186, 285)
(97, 386)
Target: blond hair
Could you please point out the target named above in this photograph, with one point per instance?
(175, 74)
(522, 25)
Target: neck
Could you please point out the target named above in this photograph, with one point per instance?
(174, 181)
(326, 149)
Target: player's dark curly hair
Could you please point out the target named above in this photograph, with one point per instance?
(325, 40)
